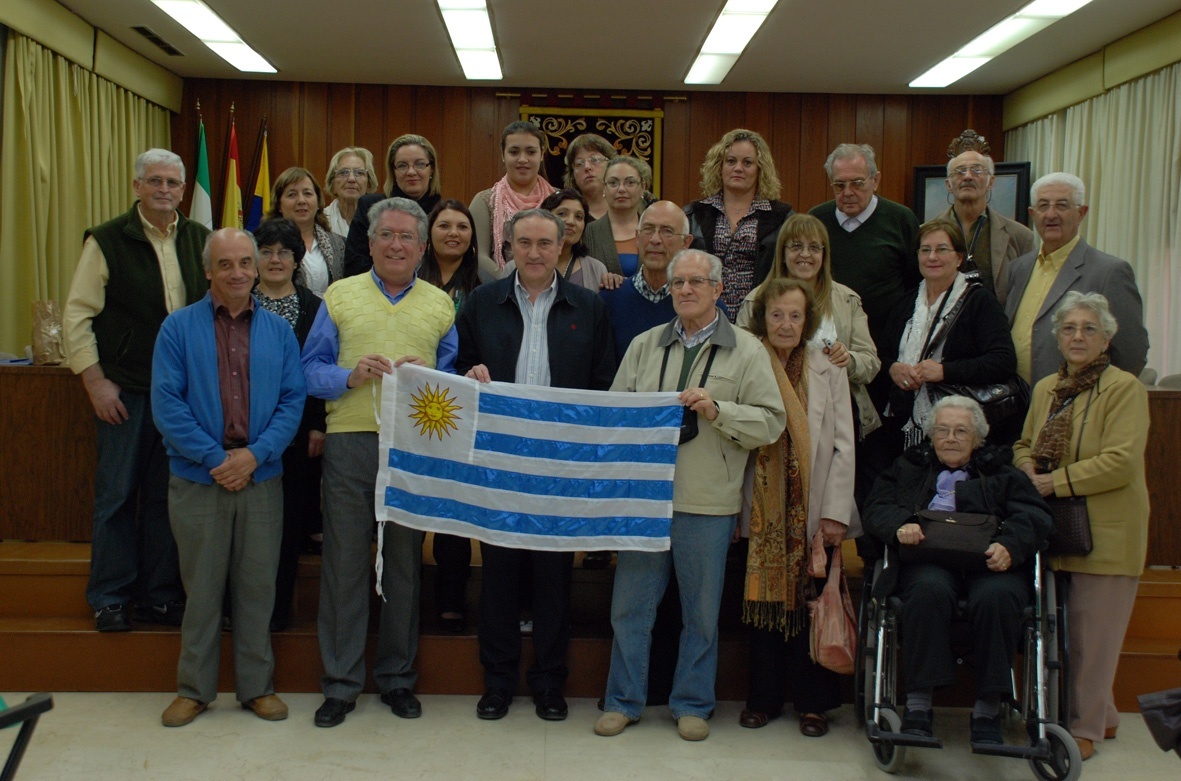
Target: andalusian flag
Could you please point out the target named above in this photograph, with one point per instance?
(231, 212)
(262, 190)
(202, 208)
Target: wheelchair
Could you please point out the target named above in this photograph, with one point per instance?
(1043, 703)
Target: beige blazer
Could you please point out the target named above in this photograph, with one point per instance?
(1109, 470)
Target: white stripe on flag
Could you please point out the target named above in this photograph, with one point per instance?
(526, 466)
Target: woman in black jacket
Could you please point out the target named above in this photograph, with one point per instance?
(739, 217)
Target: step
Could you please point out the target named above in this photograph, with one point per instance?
(1157, 612)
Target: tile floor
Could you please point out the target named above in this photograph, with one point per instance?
(118, 736)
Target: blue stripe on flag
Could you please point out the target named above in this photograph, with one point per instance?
(540, 485)
(580, 414)
(518, 523)
(574, 451)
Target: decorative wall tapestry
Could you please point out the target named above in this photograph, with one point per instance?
(631, 131)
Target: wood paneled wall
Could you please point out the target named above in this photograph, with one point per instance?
(308, 122)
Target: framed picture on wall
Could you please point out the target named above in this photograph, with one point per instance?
(1010, 191)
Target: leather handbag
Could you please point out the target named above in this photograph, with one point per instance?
(833, 640)
(955, 540)
(1000, 401)
(1072, 526)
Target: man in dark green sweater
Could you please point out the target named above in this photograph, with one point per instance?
(134, 270)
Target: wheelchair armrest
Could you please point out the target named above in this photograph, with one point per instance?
(31, 708)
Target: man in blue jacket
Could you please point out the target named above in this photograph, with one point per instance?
(227, 396)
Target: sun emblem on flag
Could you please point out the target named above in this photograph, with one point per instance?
(434, 411)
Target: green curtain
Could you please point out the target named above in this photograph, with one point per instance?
(70, 139)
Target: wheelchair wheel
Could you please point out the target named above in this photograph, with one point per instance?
(888, 756)
(1065, 762)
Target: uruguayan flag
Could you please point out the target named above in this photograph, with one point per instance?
(526, 466)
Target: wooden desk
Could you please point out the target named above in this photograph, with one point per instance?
(47, 430)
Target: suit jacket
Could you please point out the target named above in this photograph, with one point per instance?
(1008, 240)
(1089, 271)
(830, 426)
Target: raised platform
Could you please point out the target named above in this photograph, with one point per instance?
(47, 633)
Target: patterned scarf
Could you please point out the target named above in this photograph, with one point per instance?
(1053, 441)
(505, 203)
(776, 567)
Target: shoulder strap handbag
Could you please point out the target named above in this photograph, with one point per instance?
(833, 637)
(1072, 523)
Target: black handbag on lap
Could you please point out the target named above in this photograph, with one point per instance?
(954, 540)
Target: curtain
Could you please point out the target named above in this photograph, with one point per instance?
(70, 140)
(1126, 147)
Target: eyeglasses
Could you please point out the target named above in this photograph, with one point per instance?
(799, 248)
(358, 173)
(587, 162)
(666, 233)
(1090, 330)
(1041, 207)
(418, 165)
(629, 183)
(975, 170)
(676, 283)
(156, 182)
(404, 238)
(839, 185)
(945, 432)
(285, 254)
(942, 249)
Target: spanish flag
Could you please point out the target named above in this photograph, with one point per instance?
(231, 213)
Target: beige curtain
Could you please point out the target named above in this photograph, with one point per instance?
(67, 160)
(1126, 147)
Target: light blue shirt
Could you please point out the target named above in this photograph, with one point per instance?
(326, 380)
(533, 359)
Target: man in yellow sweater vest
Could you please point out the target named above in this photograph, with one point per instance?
(369, 325)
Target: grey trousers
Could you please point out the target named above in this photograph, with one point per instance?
(1098, 609)
(226, 535)
(350, 474)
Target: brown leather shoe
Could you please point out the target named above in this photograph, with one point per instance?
(813, 725)
(268, 707)
(1086, 748)
(753, 719)
(1109, 733)
(182, 711)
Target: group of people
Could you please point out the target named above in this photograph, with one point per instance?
(822, 358)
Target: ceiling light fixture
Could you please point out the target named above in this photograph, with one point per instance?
(471, 34)
(998, 39)
(201, 21)
(731, 32)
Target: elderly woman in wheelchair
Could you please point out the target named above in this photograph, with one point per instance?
(965, 525)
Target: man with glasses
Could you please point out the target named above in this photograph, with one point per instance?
(1038, 281)
(992, 239)
(732, 406)
(134, 271)
(644, 301)
(368, 326)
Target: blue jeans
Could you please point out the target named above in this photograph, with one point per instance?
(699, 545)
(132, 552)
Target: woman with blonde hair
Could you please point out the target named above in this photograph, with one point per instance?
(614, 239)
(739, 214)
(350, 175)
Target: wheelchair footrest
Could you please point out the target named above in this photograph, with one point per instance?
(877, 735)
(1040, 750)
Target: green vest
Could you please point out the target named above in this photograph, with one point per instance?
(134, 307)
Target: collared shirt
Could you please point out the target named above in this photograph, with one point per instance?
(738, 249)
(851, 224)
(533, 359)
(232, 335)
(88, 291)
(1041, 278)
(325, 379)
(700, 336)
(642, 287)
(315, 270)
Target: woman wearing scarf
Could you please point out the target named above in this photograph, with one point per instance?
(296, 196)
(949, 330)
(521, 187)
(800, 492)
(1085, 436)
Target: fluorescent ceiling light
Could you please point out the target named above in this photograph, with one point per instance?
(472, 38)
(729, 36)
(998, 39)
(200, 20)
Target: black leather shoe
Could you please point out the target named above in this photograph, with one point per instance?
(987, 731)
(166, 614)
(494, 704)
(112, 618)
(919, 722)
(550, 705)
(333, 711)
(451, 626)
(403, 703)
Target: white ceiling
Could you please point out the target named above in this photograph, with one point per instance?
(864, 46)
